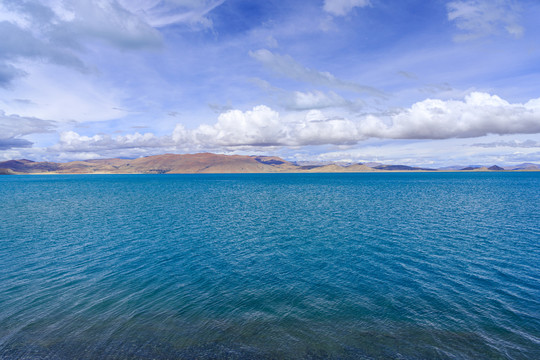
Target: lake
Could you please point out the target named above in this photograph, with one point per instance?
(266, 266)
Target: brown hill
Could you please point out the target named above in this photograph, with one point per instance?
(158, 164)
(208, 163)
(359, 168)
(205, 163)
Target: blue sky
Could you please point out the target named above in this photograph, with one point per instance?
(429, 83)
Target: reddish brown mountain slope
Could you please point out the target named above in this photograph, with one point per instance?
(158, 164)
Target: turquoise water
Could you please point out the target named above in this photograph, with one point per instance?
(270, 266)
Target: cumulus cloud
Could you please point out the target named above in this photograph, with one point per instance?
(287, 66)
(342, 7)
(73, 146)
(261, 126)
(479, 18)
(317, 129)
(477, 115)
(71, 141)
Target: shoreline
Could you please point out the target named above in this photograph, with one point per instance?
(276, 172)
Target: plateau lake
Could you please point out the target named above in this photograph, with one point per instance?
(271, 266)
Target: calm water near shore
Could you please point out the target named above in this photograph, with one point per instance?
(359, 266)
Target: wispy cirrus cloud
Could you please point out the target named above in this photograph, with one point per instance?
(510, 144)
(342, 7)
(315, 100)
(286, 66)
(167, 12)
(305, 100)
(57, 32)
(67, 25)
(480, 18)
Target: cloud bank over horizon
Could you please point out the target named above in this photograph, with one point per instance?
(264, 129)
(343, 79)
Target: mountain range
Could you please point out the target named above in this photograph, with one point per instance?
(214, 163)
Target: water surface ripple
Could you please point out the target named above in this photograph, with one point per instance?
(359, 266)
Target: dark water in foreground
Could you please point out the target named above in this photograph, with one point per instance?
(359, 266)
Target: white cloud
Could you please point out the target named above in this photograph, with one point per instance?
(271, 42)
(105, 20)
(14, 127)
(299, 100)
(510, 144)
(50, 49)
(263, 128)
(166, 12)
(53, 93)
(342, 7)
(427, 153)
(22, 44)
(73, 146)
(317, 129)
(57, 32)
(479, 114)
(60, 26)
(315, 100)
(479, 18)
(287, 66)
(71, 141)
